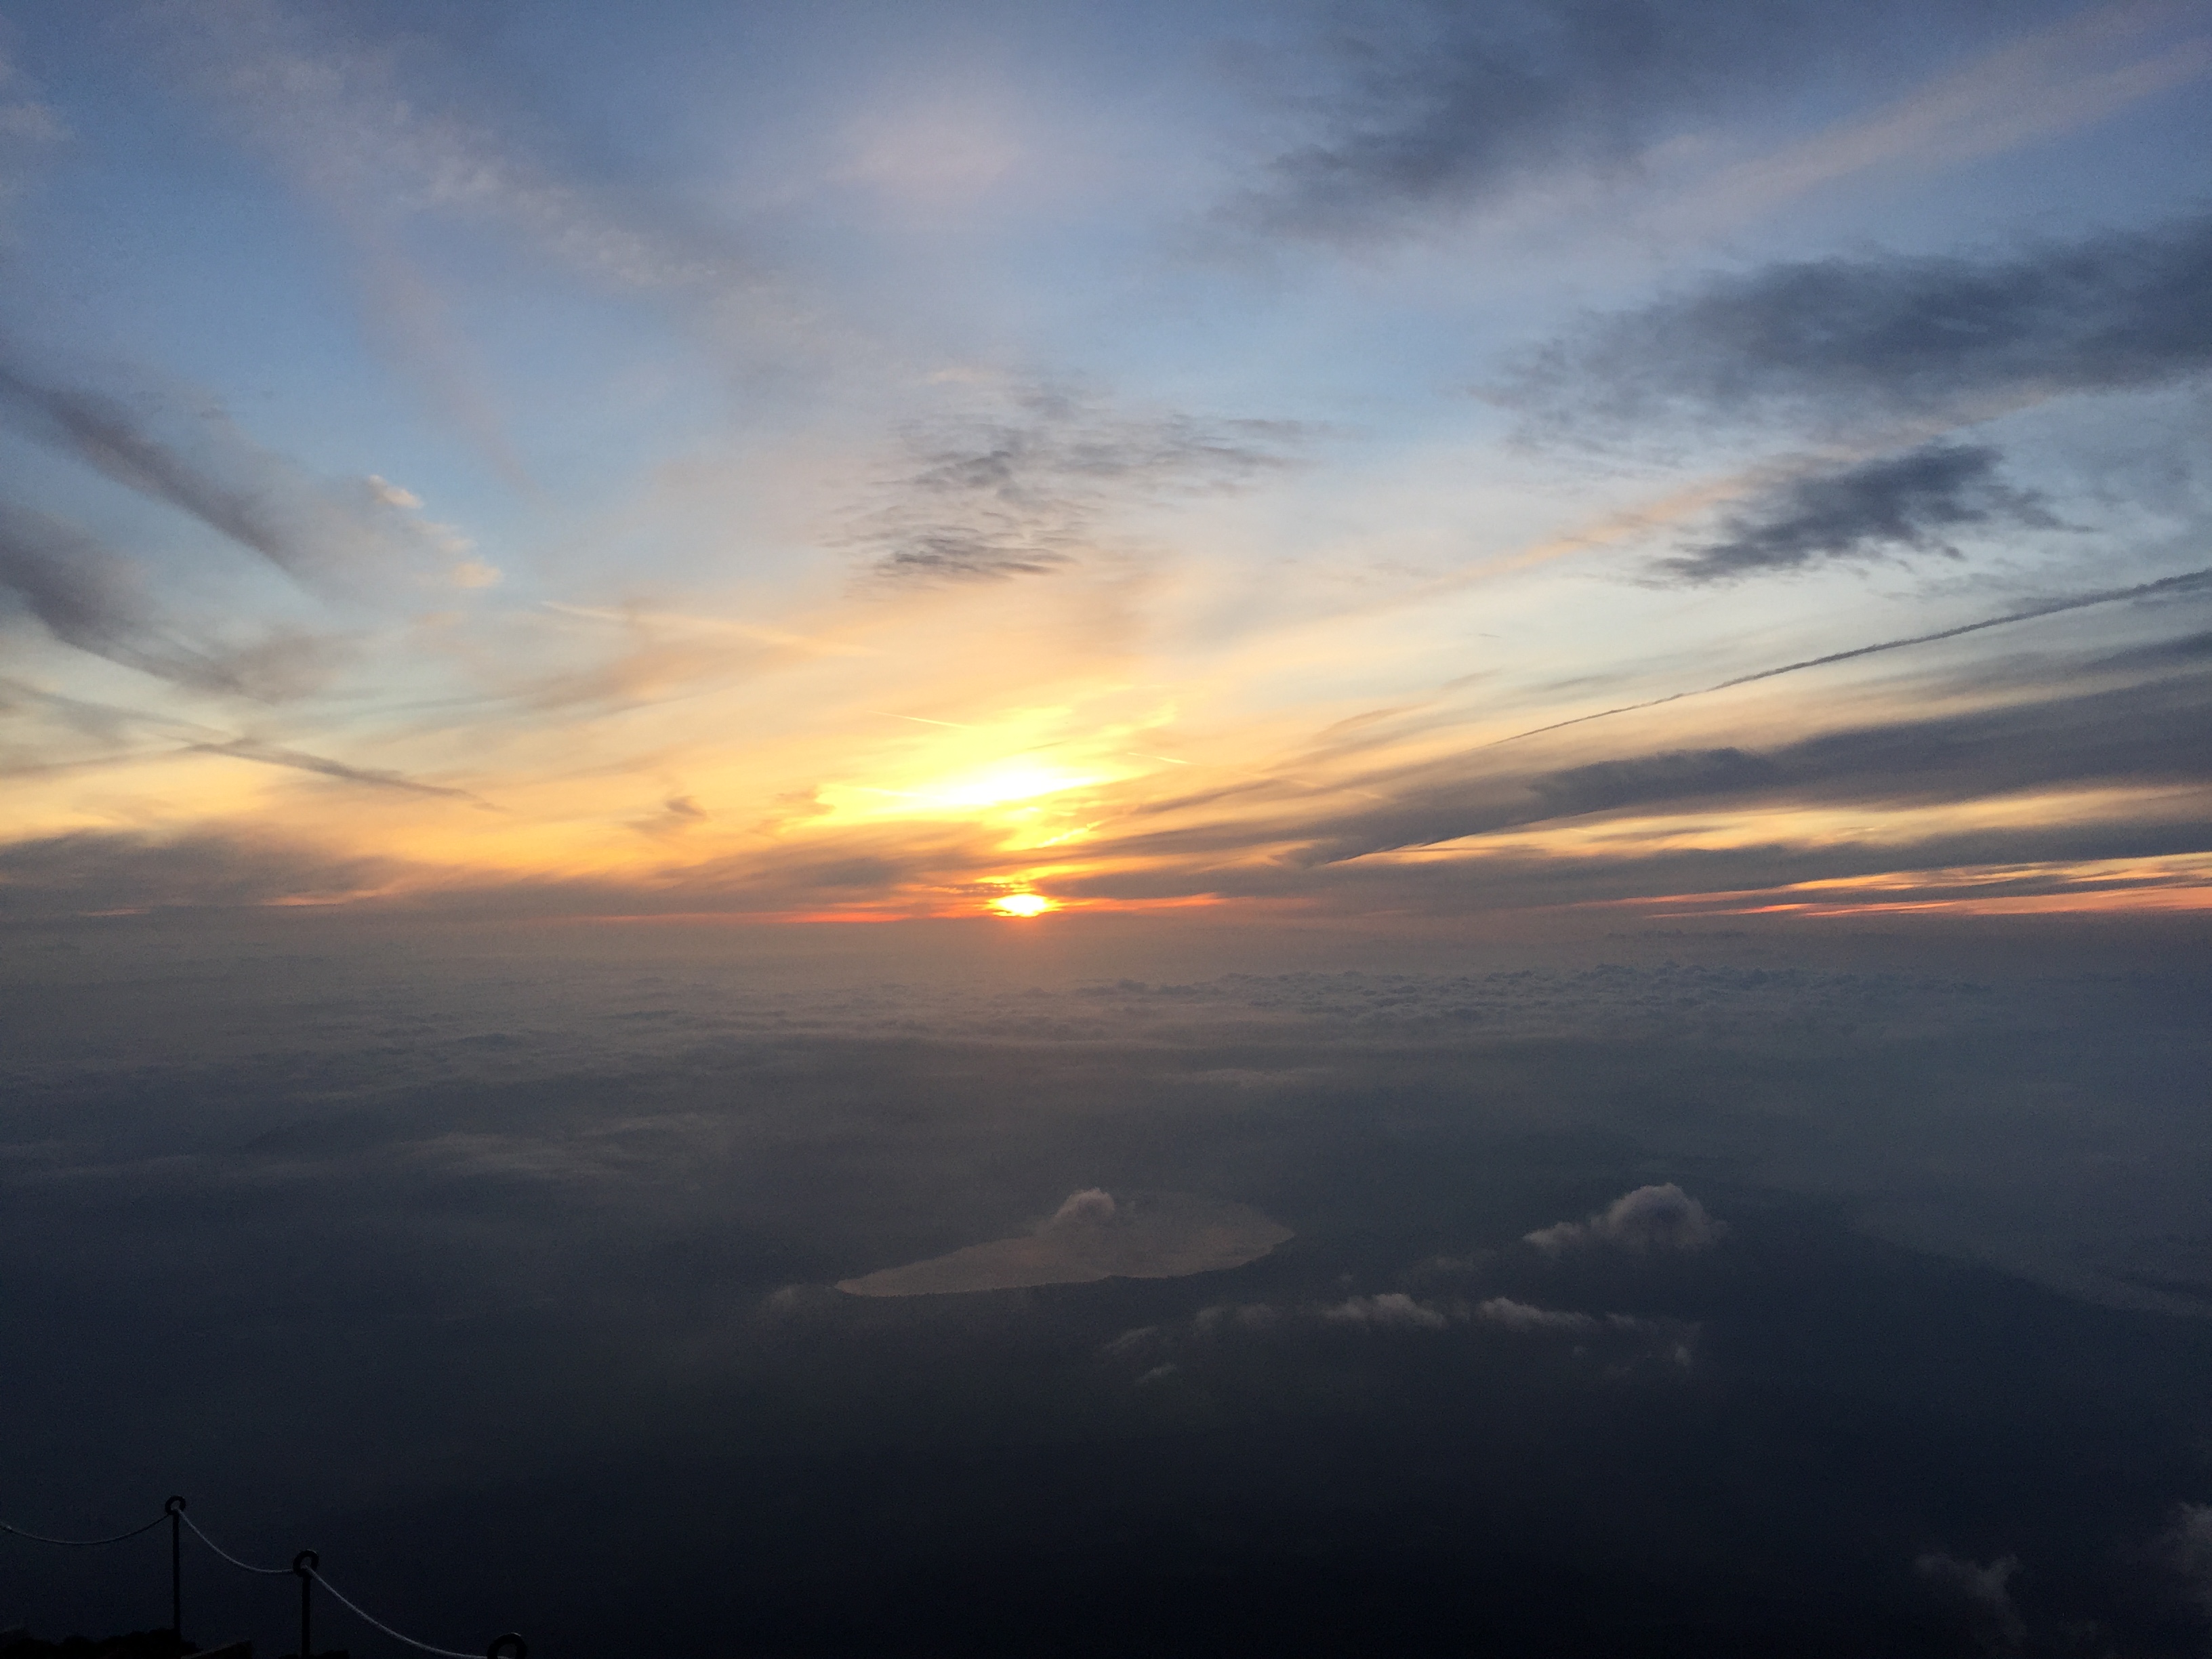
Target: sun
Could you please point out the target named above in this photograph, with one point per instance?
(1022, 904)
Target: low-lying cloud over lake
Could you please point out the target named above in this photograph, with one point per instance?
(1094, 1235)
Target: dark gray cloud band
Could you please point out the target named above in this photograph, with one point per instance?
(91, 598)
(342, 533)
(108, 436)
(2159, 732)
(1835, 340)
(1899, 503)
(1435, 107)
(2153, 735)
(102, 871)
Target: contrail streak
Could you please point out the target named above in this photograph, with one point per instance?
(2187, 582)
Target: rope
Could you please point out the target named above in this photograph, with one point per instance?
(367, 1618)
(370, 1618)
(85, 1543)
(244, 1566)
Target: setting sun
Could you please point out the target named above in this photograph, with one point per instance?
(1022, 904)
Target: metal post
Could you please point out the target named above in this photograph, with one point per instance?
(305, 1564)
(175, 1510)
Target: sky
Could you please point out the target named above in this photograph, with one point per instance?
(875, 462)
(969, 828)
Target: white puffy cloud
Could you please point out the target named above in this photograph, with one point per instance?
(1394, 1309)
(1663, 1217)
(1521, 1316)
(1093, 1204)
(1629, 1343)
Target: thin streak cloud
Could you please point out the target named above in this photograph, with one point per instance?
(272, 755)
(2189, 582)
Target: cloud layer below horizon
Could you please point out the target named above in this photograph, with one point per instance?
(1092, 1235)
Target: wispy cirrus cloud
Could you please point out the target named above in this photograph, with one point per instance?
(1035, 486)
(347, 116)
(336, 111)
